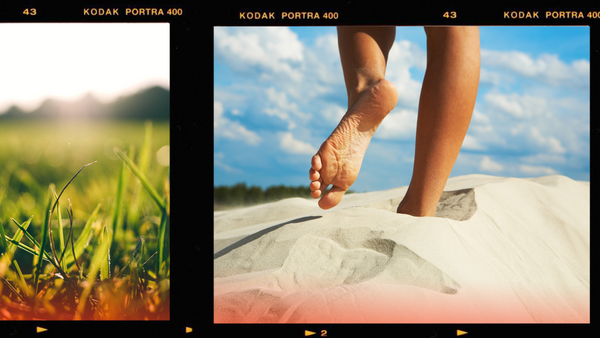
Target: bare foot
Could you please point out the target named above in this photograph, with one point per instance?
(339, 159)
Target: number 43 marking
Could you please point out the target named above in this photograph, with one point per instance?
(30, 11)
(450, 15)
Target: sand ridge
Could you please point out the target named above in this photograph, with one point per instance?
(499, 250)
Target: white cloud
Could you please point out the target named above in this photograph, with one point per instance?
(519, 106)
(471, 143)
(544, 158)
(551, 143)
(537, 170)
(487, 164)
(524, 122)
(290, 145)
(490, 77)
(218, 114)
(223, 127)
(272, 49)
(482, 133)
(283, 108)
(399, 124)
(504, 103)
(485, 136)
(403, 56)
(333, 113)
(323, 61)
(479, 117)
(547, 67)
(218, 162)
(555, 145)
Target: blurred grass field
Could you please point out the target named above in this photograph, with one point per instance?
(129, 282)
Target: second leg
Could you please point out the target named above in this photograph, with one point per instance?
(445, 109)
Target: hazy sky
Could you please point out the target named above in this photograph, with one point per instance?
(279, 92)
(69, 59)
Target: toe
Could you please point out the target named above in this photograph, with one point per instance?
(316, 162)
(319, 191)
(314, 175)
(331, 198)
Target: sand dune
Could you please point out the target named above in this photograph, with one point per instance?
(500, 250)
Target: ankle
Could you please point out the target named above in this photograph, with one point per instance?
(416, 208)
(361, 87)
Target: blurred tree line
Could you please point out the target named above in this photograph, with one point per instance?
(240, 194)
(151, 103)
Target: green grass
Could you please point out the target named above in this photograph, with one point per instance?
(105, 240)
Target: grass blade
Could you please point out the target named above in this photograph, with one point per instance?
(84, 238)
(30, 250)
(135, 254)
(133, 214)
(37, 269)
(19, 234)
(70, 213)
(160, 202)
(56, 202)
(105, 263)
(21, 279)
(116, 219)
(161, 244)
(31, 238)
(8, 253)
(6, 259)
(61, 235)
(153, 193)
(99, 256)
(3, 239)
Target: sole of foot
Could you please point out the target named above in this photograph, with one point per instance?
(340, 157)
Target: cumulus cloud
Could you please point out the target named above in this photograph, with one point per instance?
(471, 143)
(490, 77)
(293, 146)
(283, 108)
(547, 67)
(531, 116)
(274, 50)
(479, 117)
(537, 170)
(551, 143)
(323, 61)
(544, 158)
(399, 124)
(519, 106)
(403, 56)
(218, 162)
(333, 113)
(223, 127)
(487, 164)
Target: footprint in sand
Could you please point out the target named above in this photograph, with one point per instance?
(458, 205)
(349, 256)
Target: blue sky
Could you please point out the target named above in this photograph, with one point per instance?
(279, 92)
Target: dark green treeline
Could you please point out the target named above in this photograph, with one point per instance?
(240, 194)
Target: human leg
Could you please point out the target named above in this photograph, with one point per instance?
(363, 52)
(445, 109)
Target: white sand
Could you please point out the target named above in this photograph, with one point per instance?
(502, 250)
